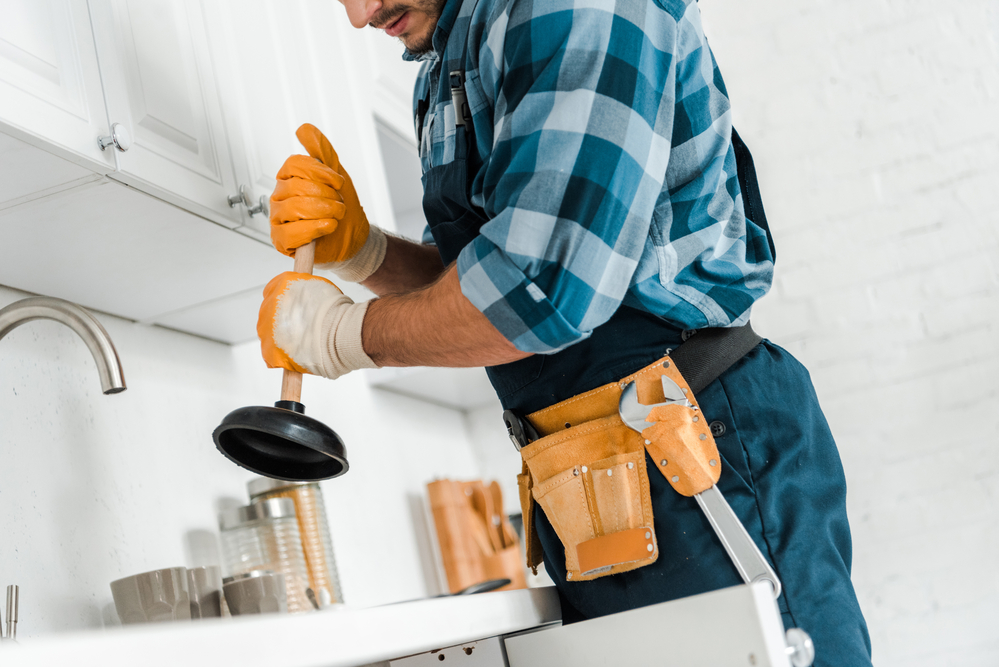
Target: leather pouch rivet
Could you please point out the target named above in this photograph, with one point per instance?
(648, 442)
(663, 463)
(584, 469)
(696, 418)
(712, 463)
(650, 547)
(703, 437)
(575, 472)
(675, 479)
(648, 536)
(568, 575)
(631, 466)
(610, 473)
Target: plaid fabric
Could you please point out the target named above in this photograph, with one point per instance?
(604, 165)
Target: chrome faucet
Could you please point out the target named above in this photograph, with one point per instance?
(77, 319)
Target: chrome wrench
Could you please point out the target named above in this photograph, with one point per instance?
(745, 555)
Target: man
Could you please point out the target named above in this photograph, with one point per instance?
(590, 208)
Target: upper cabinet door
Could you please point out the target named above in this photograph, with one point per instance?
(50, 86)
(265, 89)
(160, 85)
(288, 62)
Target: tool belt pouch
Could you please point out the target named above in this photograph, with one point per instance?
(593, 486)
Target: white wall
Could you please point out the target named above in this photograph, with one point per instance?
(873, 124)
(94, 487)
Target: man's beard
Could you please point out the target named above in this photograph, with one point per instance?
(431, 8)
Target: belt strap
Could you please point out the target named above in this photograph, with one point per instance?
(708, 353)
(701, 358)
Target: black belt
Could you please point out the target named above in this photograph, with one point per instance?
(703, 356)
(707, 353)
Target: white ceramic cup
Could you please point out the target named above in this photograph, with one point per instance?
(152, 597)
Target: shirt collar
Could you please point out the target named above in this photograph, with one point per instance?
(441, 33)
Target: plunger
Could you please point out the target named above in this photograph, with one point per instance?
(282, 442)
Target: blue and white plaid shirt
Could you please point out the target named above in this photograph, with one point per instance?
(606, 167)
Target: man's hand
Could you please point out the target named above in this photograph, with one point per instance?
(306, 324)
(315, 200)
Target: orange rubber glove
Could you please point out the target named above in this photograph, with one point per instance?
(307, 324)
(316, 200)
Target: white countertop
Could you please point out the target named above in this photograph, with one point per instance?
(336, 637)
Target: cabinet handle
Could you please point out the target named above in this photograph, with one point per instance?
(119, 138)
(261, 207)
(246, 199)
(241, 197)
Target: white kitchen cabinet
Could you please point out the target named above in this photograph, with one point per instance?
(115, 249)
(264, 91)
(211, 93)
(457, 388)
(160, 85)
(50, 85)
(28, 173)
(281, 64)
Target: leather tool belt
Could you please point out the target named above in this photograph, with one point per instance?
(587, 469)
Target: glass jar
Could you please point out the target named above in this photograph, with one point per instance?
(314, 528)
(264, 536)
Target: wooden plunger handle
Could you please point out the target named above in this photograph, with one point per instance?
(291, 383)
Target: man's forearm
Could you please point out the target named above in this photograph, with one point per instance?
(407, 266)
(434, 326)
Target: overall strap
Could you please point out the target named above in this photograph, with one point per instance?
(750, 186)
(454, 77)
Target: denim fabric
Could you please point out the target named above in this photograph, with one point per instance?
(780, 469)
(782, 475)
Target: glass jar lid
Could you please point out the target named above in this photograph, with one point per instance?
(262, 485)
(272, 508)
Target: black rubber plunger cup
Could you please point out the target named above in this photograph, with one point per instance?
(281, 442)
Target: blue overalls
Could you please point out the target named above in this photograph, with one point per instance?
(781, 471)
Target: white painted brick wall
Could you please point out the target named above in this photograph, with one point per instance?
(873, 124)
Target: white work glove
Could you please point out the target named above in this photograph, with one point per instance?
(365, 262)
(307, 324)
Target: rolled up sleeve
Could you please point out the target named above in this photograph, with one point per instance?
(582, 112)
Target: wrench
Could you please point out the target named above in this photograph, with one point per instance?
(745, 555)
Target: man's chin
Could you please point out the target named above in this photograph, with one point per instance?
(418, 44)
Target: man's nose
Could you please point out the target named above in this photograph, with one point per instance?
(359, 12)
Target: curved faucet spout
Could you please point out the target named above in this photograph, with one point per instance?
(77, 319)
